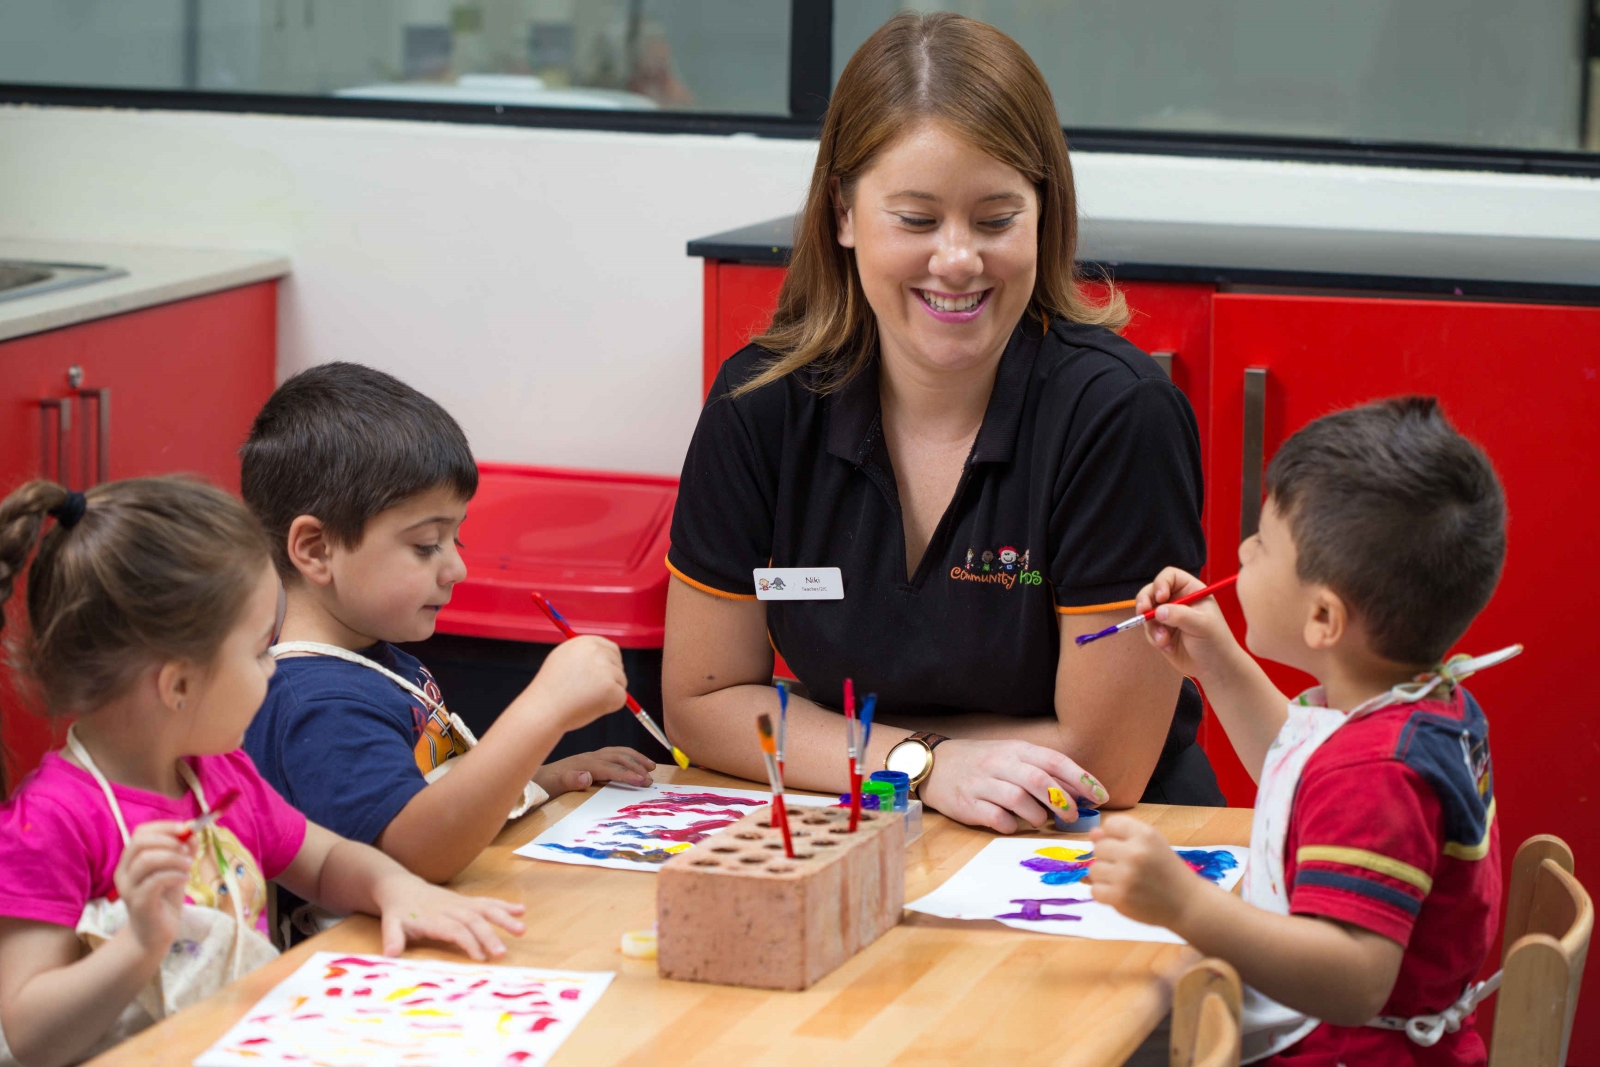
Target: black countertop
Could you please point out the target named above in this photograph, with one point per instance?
(1503, 268)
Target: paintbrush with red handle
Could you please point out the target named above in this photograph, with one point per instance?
(769, 754)
(1145, 616)
(633, 705)
(200, 823)
(850, 734)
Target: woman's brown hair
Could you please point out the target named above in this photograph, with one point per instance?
(135, 572)
(981, 83)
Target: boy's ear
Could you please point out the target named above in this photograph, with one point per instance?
(309, 549)
(1328, 621)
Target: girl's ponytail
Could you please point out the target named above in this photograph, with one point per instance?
(22, 515)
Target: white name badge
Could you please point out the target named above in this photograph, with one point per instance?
(799, 583)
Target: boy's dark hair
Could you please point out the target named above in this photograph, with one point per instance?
(1400, 515)
(343, 442)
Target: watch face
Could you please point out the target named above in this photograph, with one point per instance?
(910, 757)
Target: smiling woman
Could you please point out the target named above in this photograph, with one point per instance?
(938, 412)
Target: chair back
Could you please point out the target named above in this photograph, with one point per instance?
(1549, 918)
(1205, 1016)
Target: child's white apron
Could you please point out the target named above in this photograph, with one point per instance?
(211, 949)
(532, 794)
(1270, 1027)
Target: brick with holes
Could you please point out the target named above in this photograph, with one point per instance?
(736, 911)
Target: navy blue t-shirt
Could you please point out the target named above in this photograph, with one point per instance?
(345, 744)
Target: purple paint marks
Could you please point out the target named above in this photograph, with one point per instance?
(1032, 910)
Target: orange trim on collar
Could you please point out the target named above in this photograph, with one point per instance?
(1089, 609)
(704, 588)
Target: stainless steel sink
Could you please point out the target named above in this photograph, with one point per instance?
(29, 277)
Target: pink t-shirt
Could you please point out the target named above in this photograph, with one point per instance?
(59, 843)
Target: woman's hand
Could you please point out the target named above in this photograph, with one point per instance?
(1001, 784)
(412, 910)
(614, 764)
(1194, 637)
(150, 879)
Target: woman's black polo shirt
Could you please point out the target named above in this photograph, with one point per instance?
(1083, 482)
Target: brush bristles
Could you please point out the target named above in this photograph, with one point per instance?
(769, 744)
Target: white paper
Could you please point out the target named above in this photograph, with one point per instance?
(799, 583)
(1007, 881)
(630, 829)
(374, 1011)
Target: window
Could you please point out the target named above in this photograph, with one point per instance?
(1497, 83)
(1475, 73)
(674, 55)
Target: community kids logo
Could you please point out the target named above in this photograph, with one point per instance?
(767, 586)
(1002, 567)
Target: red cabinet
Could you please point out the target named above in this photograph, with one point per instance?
(1523, 380)
(175, 385)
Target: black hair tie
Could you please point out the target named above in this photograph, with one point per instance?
(69, 511)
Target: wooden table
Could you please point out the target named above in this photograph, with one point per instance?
(930, 992)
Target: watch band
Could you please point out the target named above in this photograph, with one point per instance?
(929, 738)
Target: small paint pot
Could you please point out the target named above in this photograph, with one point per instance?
(869, 801)
(902, 786)
(1087, 820)
(882, 790)
(639, 944)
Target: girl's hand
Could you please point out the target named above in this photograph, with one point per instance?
(1194, 637)
(615, 764)
(150, 878)
(413, 910)
(1136, 872)
(1002, 784)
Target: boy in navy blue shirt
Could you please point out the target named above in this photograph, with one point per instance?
(362, 484)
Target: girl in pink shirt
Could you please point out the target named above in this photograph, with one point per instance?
(134, 863)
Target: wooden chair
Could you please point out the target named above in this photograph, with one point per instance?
(1205, 1017)
(1549, 918)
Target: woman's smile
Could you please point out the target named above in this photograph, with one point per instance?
(953, 307)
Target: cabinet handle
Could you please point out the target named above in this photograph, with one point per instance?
(62, 406)
(102, 404)
(1164, 361)
(1255, 434)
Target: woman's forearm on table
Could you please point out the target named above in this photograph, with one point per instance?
(719, 730)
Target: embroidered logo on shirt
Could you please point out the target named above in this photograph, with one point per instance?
(1002, 567)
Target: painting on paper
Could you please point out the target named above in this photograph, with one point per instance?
(640, 829)
(377, 1011)
(1038, 884)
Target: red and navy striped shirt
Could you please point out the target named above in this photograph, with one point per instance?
(1393, 830)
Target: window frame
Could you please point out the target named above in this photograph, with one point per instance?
(810, 81)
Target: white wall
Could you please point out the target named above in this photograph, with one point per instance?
(535, 281)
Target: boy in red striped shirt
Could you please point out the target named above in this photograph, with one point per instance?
(1373, 893)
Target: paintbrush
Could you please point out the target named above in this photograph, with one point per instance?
(783, 736)
(850, 726)
(633, 705)
(868, 706)
(1145, 616)
(769, 754)
(202, 822)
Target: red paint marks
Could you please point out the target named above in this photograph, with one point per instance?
(416, 1000)
(257, 1041)
(333, 991)
(355, 961)
(365, 991)
(513, 996)
(571, 994)
(540, 1025)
